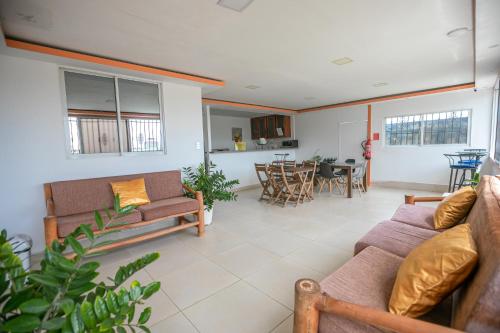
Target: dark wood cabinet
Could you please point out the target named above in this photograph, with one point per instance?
(259, 128)
(267, 127)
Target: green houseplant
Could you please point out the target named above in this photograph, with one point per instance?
(212, 183)
(62, 296)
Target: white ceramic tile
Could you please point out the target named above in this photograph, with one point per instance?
(280, 242)
(173, 256)
(319, 257)
(213, 242)
(195, 282)
(239, 308)
(244, 259)
(175, 324)
(161, 305)
(278, 280)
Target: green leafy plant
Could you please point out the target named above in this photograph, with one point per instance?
(212, 183)
(316, 157)
(62, 296)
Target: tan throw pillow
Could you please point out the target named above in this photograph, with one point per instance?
(454, 208)
(132, 192)
(432, 271)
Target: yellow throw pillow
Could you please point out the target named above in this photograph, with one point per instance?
(132, 192)
(432, 271)
(454, 208)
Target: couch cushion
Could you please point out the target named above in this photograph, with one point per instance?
(86, 195)
(394, 237)
(168, 207)
(66, 224)
(418, 216)
(366, 279)
(478, 301)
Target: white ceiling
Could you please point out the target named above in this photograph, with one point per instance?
(283, 46)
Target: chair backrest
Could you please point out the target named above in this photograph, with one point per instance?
(262, 175)
(312, 164)
(478, 300)
(326, 170)
(290, 163)
(360, 172)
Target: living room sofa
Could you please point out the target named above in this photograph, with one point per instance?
(73, 202)
(355, 298)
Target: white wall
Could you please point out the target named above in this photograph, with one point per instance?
(221, 130)
(420, 164)
(32, 141)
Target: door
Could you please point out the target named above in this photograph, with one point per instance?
(351, 134)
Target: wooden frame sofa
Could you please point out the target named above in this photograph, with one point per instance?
(73, 202)
(355, 297)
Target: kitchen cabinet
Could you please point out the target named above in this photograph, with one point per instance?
(267, 127)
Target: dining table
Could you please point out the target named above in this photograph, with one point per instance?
(349, 167)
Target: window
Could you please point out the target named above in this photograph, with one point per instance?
(112, 115)
(428, 129)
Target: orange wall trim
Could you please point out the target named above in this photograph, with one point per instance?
(369, 136)
(392, 97)
(208, 101)
(28, 46)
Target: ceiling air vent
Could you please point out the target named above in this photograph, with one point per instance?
(237, 5)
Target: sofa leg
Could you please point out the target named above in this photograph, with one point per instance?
(307, 297)
(201, 214)
(50, 224)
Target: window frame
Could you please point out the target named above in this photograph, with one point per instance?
(115, 78)
(422, 129)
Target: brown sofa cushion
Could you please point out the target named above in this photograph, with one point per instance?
(66, 224)
(394, 237)
(86, 195)
(478, 301)
(375, 271)
(167, 207)
(418, 216)
(366, 279)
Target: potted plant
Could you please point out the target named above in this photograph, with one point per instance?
(212, 183)
(62, 296)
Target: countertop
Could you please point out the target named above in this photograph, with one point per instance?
(252, 150)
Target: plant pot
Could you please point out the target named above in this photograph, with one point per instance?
(208, 216)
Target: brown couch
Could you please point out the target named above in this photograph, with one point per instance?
(355, 297)
(73, 202)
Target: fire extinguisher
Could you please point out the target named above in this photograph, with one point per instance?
(367, 149)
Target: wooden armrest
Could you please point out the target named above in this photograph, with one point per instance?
(189, 189)
(411, 199)
(309, 302)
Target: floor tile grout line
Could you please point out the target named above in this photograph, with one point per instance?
(275, 327)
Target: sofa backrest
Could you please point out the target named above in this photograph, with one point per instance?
(86, 195)
(478, 301)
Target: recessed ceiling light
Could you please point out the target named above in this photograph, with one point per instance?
(309, 98)
(237, 5)
(493, 46)
(380, 84)
(342, 61)
(458, 32)
(253, 87)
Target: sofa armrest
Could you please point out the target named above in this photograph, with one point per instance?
(411, 199)
(188, 189)
(309, 302)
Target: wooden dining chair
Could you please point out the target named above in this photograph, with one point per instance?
(264, 179)
(287, 190)
(309, 179)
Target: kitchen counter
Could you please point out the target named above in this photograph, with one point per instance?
(252, 150)
(241, 164)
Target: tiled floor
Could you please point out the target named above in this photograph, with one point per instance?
(240, 276)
